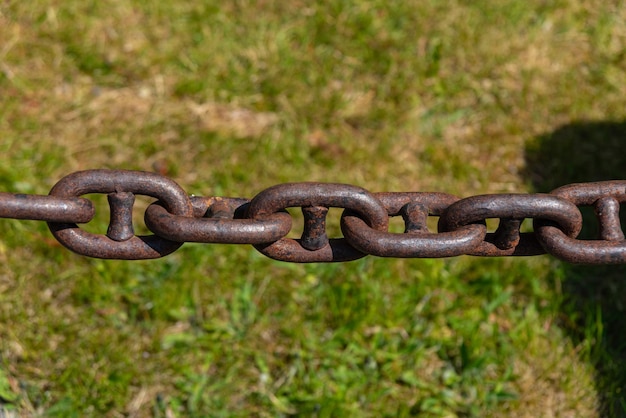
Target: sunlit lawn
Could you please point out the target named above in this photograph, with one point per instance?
(229, 98)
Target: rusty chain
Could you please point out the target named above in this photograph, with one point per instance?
(175, 218)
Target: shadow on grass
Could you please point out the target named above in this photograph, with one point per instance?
(594, 308)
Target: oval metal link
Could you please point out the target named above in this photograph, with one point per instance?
(417, 243)
(112, 181)
(345, 196)
(605, 196)
(511, 209)
(225, 228)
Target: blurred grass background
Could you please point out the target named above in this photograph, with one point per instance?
(231, 97)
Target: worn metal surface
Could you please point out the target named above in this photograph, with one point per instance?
(45, 208)
(264, 221)
(216, 220)
(605, 197)
(120, 245)
(511, 209)
(417, 240)
(309, 196)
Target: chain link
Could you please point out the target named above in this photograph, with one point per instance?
(605, 197)
(176, 218)
(417, 240)
(511, 209)
(121, 187)
(314, 199)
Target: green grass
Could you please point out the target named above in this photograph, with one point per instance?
(229, 98)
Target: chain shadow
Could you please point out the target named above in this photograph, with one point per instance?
(594, 308)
